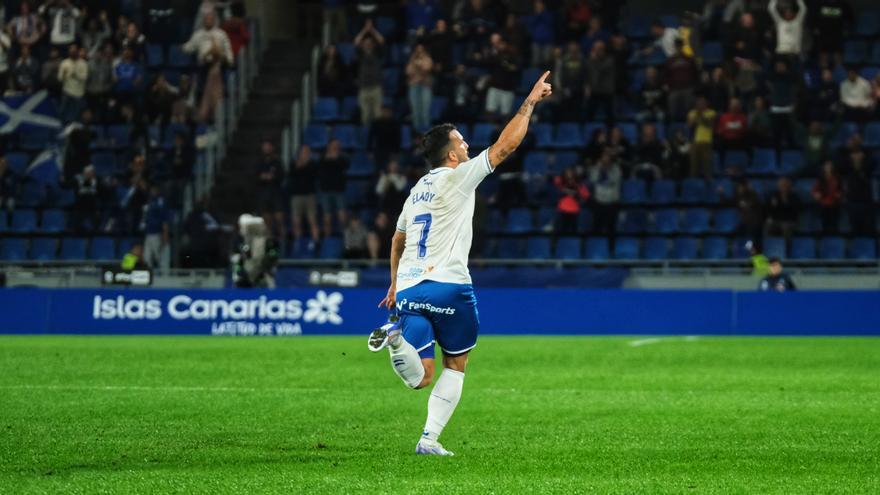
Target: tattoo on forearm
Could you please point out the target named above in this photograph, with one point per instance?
(526, 109)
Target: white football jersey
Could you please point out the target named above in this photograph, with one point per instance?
(438, 221)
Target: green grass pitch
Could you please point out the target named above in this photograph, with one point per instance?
(538, 415)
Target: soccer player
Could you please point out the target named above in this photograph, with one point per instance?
(431, 294)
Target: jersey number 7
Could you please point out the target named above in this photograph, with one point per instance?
(425, 220)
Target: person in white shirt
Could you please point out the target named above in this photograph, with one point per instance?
(73, 74)
(65, 21)
(789, 28)
(664, 39)
(430, 284)
(5, 46)
(857, 97)
(210, 43)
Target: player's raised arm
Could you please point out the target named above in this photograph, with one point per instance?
(515, 130)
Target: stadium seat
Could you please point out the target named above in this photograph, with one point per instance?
(358, 192)
(763, 161)
(438, 108)
(633, 191)
(527, 79)
(24, 220)
(303, 248)
(105, 163)
(563, 160)
(546, 218)
(482, 135)
(585, 221)
(155, 55)
(696, 221)
(17, 162)
(736, 159)
(331, 248)
(386, 25)
(346, 51)
(391, 81)
(596, 249)
(656, 248)
(684, 248)
(73, 249)
(633, 221)
(519, 221)
(663, 192)
(867, 24)
(568, 135)
(832, 248)
(316, 135)
(350, 109)
(713, 54)
(543, 134)
(637, 26)
(4, 221)
(538, 248)
(855, 52)
(124, 246)
(626, 248)
(719, 189)
(119, 135)
(510, 248)
(53, 221)
(666, 221)
(348, 135)
(715, 248)
(693, 190)
(726, 221)
(361, 165)
(629, 131)
(791, 162)
(863, 248)
(536, 162)
(102, 249)
(179, 59)
(43, 249)
(590, 128)
(325, 109)
(803, 248)
(568, 248)
(803, 189)
(869, 73)
(13, 249)
(774, 247)
(872, 135)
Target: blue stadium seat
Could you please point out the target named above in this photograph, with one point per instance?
(867, 24)
(361, 165)
(73, 249)
(863, 248)
(510, 248)
(53, 221)
(693, 190)
(386, 25)
(855, 52)
(105, 163)
(774, 247)
(763, 161)
(568, 135)
(43, 249)
(438, 108)
(349, 108)
(179, 59)
(656, 248)
(543, 134)
(869, 73)
(713, 54)
(391, 81)
(358, 192)
(832, 248)
(585, 221)
(568, 248)
(4, 222)
(13, 249)
(546, 218)
(349, 136)
(666, 221)
(346, 51)
(626, 248)
(629, 131)
(633, 221)
(536, 162)
(596, 249)
(803, 248)
(331, 248)
(696, 221)
(633, 192)
(316, 135)
(538, 248)
(803, 189)
(872, 135)
(637, 26)
(527, 79)
(482, 137)
(32, 193)
(17, 162)
(119, 135)
(791, 162)
(563, 160)
(809, 222)
(684, 248)
(303, 248)
(155, 55)
(519, 221)
(24, 220)
(736, 159)
(61, 197)
(663, 192)
(715, 248)
(102, 249)
(712, 190)
(124, 246)
(590, 128)
(325, 109)
(726, 221)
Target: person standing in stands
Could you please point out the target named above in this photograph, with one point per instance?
(270, 178)
(331, 186)
(64, 19)
(776, 280)
(421, 87)
(789, 32)
(605, 177)
(826, 191)
(302, 184)
(702, 120)
(157, 250)
(572, 193)
(369, 43)
(73, 74)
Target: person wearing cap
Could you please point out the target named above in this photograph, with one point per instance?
(776, 280)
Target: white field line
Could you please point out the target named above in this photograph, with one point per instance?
(657, 340)
(160, 388)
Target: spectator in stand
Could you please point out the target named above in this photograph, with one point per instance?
(504, 69)
(384, 137)
(95, 32)
(702, 121)
(829, 20)
(354, 239)
(857, 97)
(331, 185)
(681, 79)
(391, 189)
(789, 31)
(760, 124)
(782, 210)
(87, 192)
(858, 194)
(570, 74)
(183, 109)
(783, 92)
(825, 98)
(464, 97)
(595, 32)
(49, 74)
(8, 186)
(136, 41)
(601, 83)
(717, 88)
(182, 157)
(26, 71)
(160, 101)
(100, 81)
(776, 280)
(679, 154)
(542, 29)
(652, 97)
(420, 16)
(379, 238)
(595, 146)
(5, 52)
(332, 73)
(745, 40)
(213, 52)
(665, 40)
(826, 192)
(620, 52)
(26, 28)
(128, 77)
(577, 18)
(441, 43)
(732, 129)
(64, 19)
(336, 19)
(134, 259)
(157, 250)
(421, 87)
(619, 146)
(605, 178)
(650, 153)
(73, 74)
(750, 208)
(516, 35)
(236, 29)
(302, 186)
(572, 193)
(270, 178)
(369, 43)
(816, 142)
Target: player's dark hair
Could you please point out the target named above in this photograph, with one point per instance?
(774, 260)
(435, 144)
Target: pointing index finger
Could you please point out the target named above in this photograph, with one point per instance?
(544, 76)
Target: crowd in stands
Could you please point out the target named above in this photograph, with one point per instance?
(757, 118)
(134, 83)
